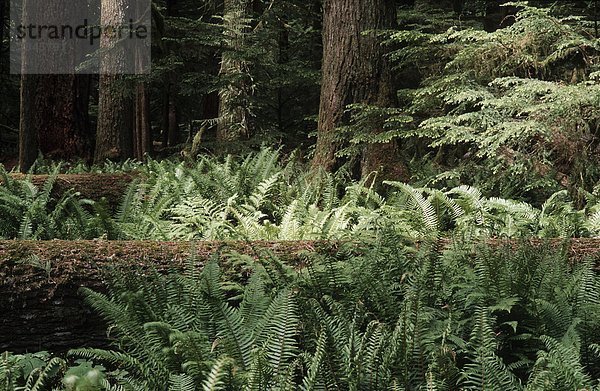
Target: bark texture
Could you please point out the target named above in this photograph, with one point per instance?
(355, 70)
(114, 139)
(51, 120)
(142, 132)
(234, 117)
(114, 135)
(39, 282)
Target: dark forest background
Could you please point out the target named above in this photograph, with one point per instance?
(433, 92)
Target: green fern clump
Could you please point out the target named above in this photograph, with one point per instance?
(464, 212)
(191, 333)
(255, 197)
(29, 212)
(455, 320)
(263, 197)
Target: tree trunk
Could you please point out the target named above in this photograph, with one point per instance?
(83, 90)
(28, 124)
(114, 135)
(142, 131)
(2, 22)
(50, 119)
(354, 71)
(114, 139)
(283, 57)
(49, 113)
(234, 115)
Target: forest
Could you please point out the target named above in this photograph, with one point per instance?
(303, 195)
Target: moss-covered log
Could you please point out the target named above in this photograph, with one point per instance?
(39, 281)
(91, 186)
(576, 249)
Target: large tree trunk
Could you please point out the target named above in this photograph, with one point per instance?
(50, 119)
(234, 116)
(114, 135)
(354, 71)
(50, 112)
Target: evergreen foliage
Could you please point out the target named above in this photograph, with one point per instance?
(512, 111)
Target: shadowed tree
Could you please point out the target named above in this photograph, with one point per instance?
(53, 106)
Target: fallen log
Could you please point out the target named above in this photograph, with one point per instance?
(39, 282)
(92, 186)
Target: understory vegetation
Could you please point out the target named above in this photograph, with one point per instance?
(265, 197)
(380, 317)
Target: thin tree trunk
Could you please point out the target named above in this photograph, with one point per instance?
(173, 125)
(28, 139)
(83, 89)
(2, 21)
(164, 135)
(142, 133)
(283, 57)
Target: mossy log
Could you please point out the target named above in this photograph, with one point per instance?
(576, 249)
(39, 282)
(92, 186)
